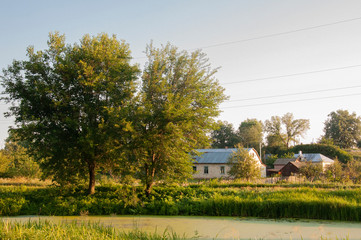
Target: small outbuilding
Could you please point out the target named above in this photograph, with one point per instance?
(286, 166)
(291, 168)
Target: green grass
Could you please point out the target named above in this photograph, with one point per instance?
(266, 201)
(76, 231)
(39, 230)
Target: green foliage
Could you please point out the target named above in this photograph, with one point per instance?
(76, 231)
(288, 155)
(330, 151)
(5, 163)
(270, 160)
(334, 202)
(293, 128)
(243, 165)
(178, 100)
(344, 128)
(335, 172)
(273, 157)
(326, 141)
(224, 136)
(70, 103)
(355, 153)
(250, 132)
(353, 171)
(311, 170)
(15, 162)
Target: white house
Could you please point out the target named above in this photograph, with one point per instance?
(212, 163)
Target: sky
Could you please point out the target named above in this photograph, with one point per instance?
(274, 56)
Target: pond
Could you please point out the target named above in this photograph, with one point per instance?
(221, 227)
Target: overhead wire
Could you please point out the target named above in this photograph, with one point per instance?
(271, 35)
(286, 75)
(292, 101)
(279, 34)
(294, 74)
(293, 94)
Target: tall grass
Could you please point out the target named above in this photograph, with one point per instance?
(76, 231)
(202, 200)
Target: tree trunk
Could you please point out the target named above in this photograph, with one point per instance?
(150, 180)
(91, 189)
(148, 188)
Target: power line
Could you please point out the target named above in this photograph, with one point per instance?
(293, 94)
(290, 101)
(281, 33)
(294, 74)
(271, 35)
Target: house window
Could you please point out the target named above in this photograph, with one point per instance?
(205, 169)
(222, 170)
(194, 168)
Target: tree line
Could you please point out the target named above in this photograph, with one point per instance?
(342, 129)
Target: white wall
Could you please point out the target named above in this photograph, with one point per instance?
(214, 170)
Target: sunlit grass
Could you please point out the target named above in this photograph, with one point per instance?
(18, 181)
(76, 231)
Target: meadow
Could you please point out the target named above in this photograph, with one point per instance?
(305, 201)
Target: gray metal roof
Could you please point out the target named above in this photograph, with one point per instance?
(298, 164)
(315, 157)
(284, 161)
(215, 156)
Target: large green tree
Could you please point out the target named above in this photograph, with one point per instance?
(250, 133)
(224, 136)
(286, 129)
(70, 102)
(344, 128)
(178, 101)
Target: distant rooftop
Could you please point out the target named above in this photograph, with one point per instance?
(315, 157)
(215, 156)
(283, 161)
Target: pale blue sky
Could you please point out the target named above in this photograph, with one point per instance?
(191, 24)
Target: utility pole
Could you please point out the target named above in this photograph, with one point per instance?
(260, 151)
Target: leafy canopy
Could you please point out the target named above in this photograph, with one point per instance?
(285, 130)
(343, 128)
(224, 136)
(242, 165)
(250, 133)
(70, 102)
(178, 101)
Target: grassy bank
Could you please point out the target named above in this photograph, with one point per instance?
(39, 230)
(275, 201)
(47, 230)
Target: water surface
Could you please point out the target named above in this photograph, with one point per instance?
(220, 227)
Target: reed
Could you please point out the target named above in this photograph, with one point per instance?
(76, 231)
